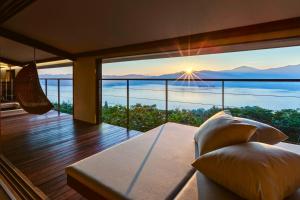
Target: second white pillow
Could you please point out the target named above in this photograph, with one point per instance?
(222, 130)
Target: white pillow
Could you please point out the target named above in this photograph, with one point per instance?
(222, 130)
(253, 170)
(264, 133)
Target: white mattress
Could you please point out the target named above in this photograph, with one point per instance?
(155, 165)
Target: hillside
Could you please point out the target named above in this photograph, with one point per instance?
(243, 72)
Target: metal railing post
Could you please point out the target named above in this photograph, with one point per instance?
(167, 101)
(11, 89)
(127, 96)
(100, 99)
(223, 96)
(6, 92)
(58, 96)
(46, 87)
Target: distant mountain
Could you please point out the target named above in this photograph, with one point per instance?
(55, 76)
(243, 69)
(138, 76)
(106, 76)
(243, 72)
(286, 70)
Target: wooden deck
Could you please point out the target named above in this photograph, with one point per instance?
(42, 146)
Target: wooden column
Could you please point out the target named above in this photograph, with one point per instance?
(86, 73)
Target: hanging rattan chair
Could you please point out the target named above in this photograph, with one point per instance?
(29, 93)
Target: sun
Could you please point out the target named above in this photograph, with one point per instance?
(189, 71)
(189, 74)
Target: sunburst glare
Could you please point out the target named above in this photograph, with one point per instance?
(189, 71)
(189, 75)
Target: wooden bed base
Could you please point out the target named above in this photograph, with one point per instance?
(83, 190)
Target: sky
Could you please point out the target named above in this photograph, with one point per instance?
(61, 70)
(261, 59)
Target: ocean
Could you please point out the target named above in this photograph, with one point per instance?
(191, 96)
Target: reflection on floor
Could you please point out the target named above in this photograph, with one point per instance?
(42, 146)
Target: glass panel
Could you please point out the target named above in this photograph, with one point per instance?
(192, 102)
(43, 85)
(147, 104)
(52, 92)
(114, 110)
(66, 96)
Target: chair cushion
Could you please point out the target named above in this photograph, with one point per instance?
(253, 170)
(222, 130)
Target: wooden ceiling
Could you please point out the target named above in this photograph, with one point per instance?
(9, 8)
(129, 29)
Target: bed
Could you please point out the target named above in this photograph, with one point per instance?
(155, 165)
(11, 109)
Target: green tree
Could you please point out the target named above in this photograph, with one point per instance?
(288, 121)
(115, 115)
(253, 112)
(185, 117)
(145, 117)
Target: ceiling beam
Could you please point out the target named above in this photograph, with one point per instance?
(34, 43)
(182, 46)
(45, 60)
(205, 51)
(276, 30)
(10, 8)
(11, 62)
(54, 65)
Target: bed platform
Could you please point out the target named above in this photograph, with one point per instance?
(9, 106)
(11, 109)
(155, 165)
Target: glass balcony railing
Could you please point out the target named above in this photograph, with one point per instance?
(143, 104)
(60, 93)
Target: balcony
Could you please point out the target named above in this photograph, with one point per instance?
(53, 141)
(107, 112)
(40, 147)
(142, 104)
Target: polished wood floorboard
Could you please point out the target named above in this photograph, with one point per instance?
(42, 146)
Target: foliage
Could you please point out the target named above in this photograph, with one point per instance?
(146, 117)
(65, 107)
(185, 117)
(254, 112)
(288, 121)
(115, 115)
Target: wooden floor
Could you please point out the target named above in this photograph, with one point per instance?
(42, 146)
